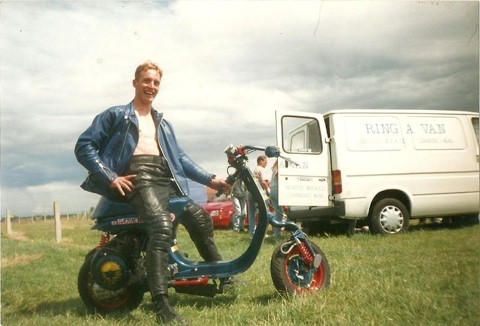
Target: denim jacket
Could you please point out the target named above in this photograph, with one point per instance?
(106, 147)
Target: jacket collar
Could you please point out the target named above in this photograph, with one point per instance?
(130, 112)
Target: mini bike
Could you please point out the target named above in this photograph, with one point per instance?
(113, 275)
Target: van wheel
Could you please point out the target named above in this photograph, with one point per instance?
(389, 216)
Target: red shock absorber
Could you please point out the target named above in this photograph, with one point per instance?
(104, 238)
(305, 252)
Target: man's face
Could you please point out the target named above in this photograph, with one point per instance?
(146, 86)
(263, 163)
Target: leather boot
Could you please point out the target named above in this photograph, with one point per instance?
(165, 313)
(227, 284)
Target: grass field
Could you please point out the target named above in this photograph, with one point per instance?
(429, 276)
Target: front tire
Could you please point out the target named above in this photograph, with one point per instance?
(389, 216)
(100, 300)
(290, 273)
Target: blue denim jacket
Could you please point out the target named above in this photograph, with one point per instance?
(106, 147)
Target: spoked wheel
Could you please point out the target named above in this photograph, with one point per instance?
(291, 274)
(101, 300)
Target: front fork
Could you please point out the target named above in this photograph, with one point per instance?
(300, 240)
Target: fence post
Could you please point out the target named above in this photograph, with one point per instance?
(9, 222)
(58, 224)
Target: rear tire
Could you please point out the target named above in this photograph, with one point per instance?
(291, 275)
(389, 216)
(103, 301)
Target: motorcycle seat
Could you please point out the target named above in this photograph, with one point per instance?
(109, 208)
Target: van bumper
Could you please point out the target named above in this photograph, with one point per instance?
(301, 213)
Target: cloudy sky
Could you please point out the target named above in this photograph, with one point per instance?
(227, 67)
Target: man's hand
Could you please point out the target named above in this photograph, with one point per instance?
(123, 184)
(219, 184)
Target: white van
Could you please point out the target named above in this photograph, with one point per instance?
(384, 167)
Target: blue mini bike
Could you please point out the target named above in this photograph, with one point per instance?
(113, 275)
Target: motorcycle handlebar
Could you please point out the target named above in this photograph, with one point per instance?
(270, 151)
(237, 155)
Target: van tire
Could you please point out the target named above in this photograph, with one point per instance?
(389, 216)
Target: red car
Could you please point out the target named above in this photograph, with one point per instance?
(221, 212)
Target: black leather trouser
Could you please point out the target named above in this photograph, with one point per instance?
(153, 186)
(150, 199)
(199, 226)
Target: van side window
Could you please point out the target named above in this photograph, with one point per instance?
(475, 127)
(301, 135)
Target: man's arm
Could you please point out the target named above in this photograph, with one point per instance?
(219, 184)
(90, 142)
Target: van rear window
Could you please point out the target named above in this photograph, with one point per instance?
(374, 133)
(390, 133)
(475, 127)
(430, 133)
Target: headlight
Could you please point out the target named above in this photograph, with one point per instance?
(214, 213)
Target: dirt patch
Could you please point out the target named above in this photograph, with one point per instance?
(17, 236)
(19, 260)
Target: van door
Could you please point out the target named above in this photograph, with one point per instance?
(304, 179)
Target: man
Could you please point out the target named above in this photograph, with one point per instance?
(132, 154)
(261, 175)
(239, 200)
(273, 192)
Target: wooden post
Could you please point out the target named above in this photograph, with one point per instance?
(9, 222)
(58, 224)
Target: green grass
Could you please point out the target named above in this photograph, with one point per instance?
(429, 276)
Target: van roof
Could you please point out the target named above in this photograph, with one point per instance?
(399, 111)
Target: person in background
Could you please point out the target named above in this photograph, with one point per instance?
(278, 214)
(239, 200)
(261, 175)
(132, 154)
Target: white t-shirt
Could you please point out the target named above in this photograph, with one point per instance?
(147, 136)
(261, 173)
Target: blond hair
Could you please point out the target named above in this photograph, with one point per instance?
(147, 65)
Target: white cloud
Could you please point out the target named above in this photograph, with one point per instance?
(38, 200)
(228, 66)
